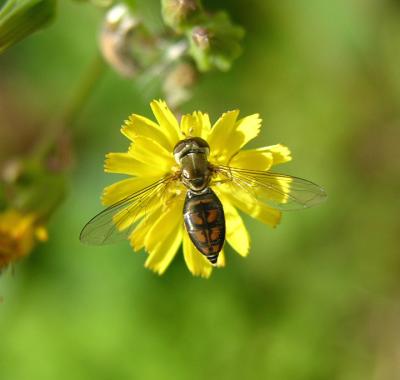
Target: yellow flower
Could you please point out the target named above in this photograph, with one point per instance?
(18, 235)
(159, 228)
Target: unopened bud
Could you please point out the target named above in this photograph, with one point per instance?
(201, 37)
(115, 40)
(178, 84)
(215, 44)
(178, 13)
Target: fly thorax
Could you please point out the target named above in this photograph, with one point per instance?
(192, 156)
(195, 171)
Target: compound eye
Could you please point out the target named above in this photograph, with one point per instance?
(200, 142)
(178, 150)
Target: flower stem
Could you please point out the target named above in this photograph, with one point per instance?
(84, 91)
(73, 109)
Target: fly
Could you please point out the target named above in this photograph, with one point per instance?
(203, 213)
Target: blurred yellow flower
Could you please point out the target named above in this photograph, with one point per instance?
(150, 157)
(18, 234)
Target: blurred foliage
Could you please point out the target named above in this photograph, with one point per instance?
(20, 18)
(318, 298)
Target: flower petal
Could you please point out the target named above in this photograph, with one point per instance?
(261, 158)
(122, 189)
(139, 234)
(221, 259)
(163, 239)
(41, 233)
(195, 261)
(254, 159)
(236, 232)
(280, 153)
(124, 163)
(250, 205)
(219, 137)
(196, 124)
(17, 233)
(151, 153)
(137, 125)
(161, 256)
(244, 130)
(166, 120)
(168, 220)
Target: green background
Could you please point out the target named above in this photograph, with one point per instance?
(318, 298)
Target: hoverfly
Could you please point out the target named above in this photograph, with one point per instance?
(203, 213)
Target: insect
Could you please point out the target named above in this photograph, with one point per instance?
(203, 212)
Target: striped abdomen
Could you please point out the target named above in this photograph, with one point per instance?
(205, 223)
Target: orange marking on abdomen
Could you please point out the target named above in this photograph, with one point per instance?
(200, 236)
(215, 233)
(212, 215)
(197, 218)
(214, 248)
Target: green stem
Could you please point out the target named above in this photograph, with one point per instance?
(84, 91)
(73, 109)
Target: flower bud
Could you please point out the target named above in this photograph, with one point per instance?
(215, 44)
(19, 232)
(115, 40)
(178, 84)
(126, 43)
(25, 209)
(201, 37)
(178, 14)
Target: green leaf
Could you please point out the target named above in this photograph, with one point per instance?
(20, 18)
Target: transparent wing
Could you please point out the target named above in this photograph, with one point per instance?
(280, 191)
(117, 221)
